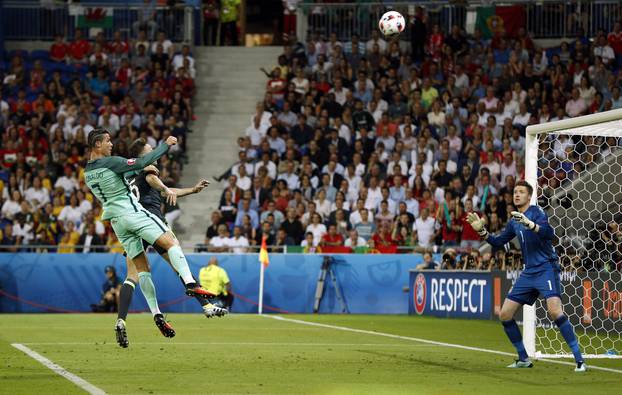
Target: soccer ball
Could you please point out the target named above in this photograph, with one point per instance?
(392, 23)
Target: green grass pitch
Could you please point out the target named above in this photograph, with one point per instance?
(249, 354)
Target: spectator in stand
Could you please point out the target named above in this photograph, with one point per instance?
(12, 205)
(168, 47)
(221, 242)
(576, 106)
(614, 39)
(43, 145)
(228, 208)
(239, 243)
(8, 239)
(402, 231)
(317, 228)
(232, 187)
(212, 230)
(23, 226)
(71, 212)
(229, 11)
(282, 240)
(426, 229)
(271, 210)
(428, 263)
(603, 50)
(59, 50)
(331, 238)
(354, 240)
(113, 245)
(308, 245)
(244, 210)
(382, 239)
(146, 19)
(79, 48)
(90, 241)
(293, 227)
(365, 227)
(69, 239)
(266, 230)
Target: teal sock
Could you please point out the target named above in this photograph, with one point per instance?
(178, 260)
(148, 290)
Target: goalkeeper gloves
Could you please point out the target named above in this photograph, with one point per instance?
(477, 224)
(523, 220)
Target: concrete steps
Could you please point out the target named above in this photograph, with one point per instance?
(229, 83)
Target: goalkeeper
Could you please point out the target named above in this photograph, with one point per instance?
(539, 276)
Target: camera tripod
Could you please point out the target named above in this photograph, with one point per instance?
(321, 283)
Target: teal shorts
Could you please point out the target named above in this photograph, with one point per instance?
(132, 229)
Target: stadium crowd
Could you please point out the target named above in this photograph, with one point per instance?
(384, 146)
(49, 103)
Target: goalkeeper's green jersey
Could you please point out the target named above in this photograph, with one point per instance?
(105, 178)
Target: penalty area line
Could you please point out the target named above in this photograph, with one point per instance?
(80, 382)
(426, 341)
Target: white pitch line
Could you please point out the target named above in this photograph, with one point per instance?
(173, 343)
(425, 341)
(80, 382)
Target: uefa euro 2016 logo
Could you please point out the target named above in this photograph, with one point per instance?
(419, 293)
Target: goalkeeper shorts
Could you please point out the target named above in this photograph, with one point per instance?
(530, 285)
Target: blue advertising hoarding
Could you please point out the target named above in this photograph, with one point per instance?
(451, 294)
(369, 284)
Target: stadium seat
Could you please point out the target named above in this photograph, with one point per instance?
(19, 52)
(40, 54)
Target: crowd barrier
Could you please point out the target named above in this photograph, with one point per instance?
(542, 19)
(32, 20)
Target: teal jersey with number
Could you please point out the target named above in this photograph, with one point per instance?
(105, 178)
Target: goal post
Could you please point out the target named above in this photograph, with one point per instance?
(575, 167)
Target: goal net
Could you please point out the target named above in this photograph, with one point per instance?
(576, 165)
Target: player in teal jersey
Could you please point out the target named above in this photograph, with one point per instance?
(147, 187)
(131, 222)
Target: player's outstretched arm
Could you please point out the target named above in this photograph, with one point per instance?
(201, 185)
(121, 165)
(479, 226)
(154, 182)
(540, 224)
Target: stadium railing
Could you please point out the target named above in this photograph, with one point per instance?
(287, 249)
(544, 18)
(30, 20)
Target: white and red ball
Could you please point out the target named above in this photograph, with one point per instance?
(392, 23)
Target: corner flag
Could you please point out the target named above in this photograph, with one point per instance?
(264, 262)
(263, 252)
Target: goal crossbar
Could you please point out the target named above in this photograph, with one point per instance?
(607, 123)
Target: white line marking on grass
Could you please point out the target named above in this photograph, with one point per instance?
(425, 341)
(80, 382)
(173, 343)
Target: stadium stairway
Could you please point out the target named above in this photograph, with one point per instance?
(229, 84)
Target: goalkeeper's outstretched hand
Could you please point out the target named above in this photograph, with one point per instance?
(523, 220)
(477, 224)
